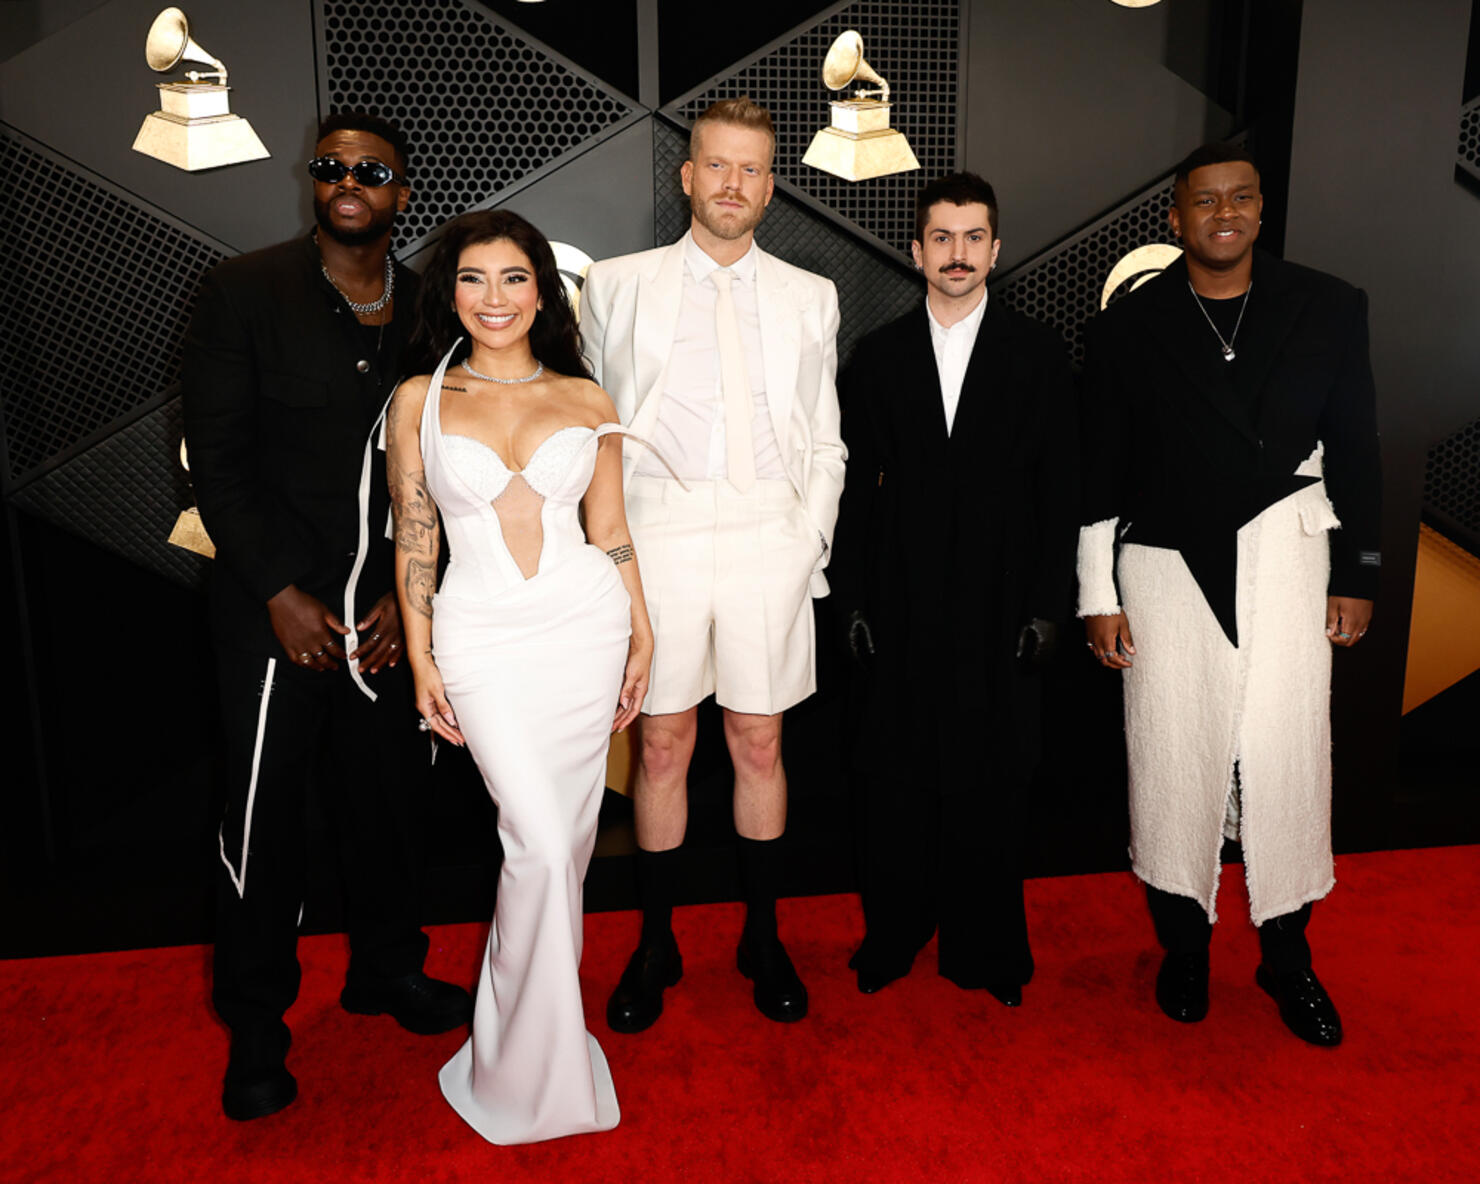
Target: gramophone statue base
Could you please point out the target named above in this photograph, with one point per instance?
(860, 144)
(195, 129)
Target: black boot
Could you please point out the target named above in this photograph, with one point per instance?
(779, 993)
(656, 964)
(257, 1079)
(1185, 933)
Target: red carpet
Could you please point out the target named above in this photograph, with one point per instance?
(113, 1062)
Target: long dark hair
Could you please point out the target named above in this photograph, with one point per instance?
(553, 336)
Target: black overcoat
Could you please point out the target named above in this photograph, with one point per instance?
(282, 386)
(949, 544)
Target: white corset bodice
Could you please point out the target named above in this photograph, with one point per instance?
(469, 481)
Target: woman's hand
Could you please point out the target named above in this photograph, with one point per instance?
(431, 702)
(634, 683)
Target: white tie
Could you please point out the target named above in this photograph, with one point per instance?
(739, 407)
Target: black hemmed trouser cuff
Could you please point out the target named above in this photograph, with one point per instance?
(1182, 926)
(657, 876)
(760, 876)
(1282, 942)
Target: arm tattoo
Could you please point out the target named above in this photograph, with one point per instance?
(421, 584)
(622, 554)
(417, 534)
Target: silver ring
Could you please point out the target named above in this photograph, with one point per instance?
(423, 726)
(304, 656)
(375, 637)
(318, 653)
(393, 645)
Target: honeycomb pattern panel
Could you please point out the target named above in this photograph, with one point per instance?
(873, 288)
(95, 297)
(1061, 286)
(1451, 486)
(1468, 151)
(915, 47)
(1469, 133)
(124, 494)
(481, 105)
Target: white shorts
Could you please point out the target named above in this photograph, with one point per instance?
(725, 576)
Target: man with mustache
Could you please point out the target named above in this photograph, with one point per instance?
(1233, 490)
(955, 551)
(723, 358)
(291, 355)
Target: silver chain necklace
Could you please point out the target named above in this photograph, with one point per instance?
(1228, 354)
(374, 305)
(538, 370)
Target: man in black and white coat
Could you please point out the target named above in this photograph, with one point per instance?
(1232, 492)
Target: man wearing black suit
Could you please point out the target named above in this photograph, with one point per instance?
(290, 357)
(953, 558)
(1231, 521)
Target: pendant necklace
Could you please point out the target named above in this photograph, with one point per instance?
(538, 370)
(1228, 354)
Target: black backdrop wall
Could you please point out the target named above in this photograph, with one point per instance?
(574, 114)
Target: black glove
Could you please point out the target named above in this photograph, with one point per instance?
(860, 639)
(1037, 642)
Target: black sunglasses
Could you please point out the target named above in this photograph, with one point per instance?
(370, 173)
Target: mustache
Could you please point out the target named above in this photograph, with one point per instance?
(954, 267)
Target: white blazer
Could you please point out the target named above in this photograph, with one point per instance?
(629, 315)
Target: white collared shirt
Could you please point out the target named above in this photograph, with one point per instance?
(953, 348)
(690, 430)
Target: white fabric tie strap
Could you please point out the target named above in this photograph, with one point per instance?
(739, 405)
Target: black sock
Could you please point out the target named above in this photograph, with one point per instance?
(656, 873)
(760, 873)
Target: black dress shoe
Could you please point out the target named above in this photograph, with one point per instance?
(779, 994)
(1304, 1005)
(1182, 985)
(419, 1004)
(1007, 994)
(257, 1081)
(872, 981)
(637, 1002)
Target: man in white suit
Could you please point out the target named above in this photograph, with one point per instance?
(723, 358)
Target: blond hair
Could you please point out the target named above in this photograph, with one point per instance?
(741, 112)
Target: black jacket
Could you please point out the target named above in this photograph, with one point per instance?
(1185, 448)
(281, 387)
(949, 544)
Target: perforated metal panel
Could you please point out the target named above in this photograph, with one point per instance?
(1468, 152)
(124, 494)
(95, 295)
(873, 287)
(1061, 286)
(915, 46)
(482, 105)
(1451, 486)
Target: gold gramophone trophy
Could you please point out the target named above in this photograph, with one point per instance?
(189, 532)
(859, 144)
(194, 128)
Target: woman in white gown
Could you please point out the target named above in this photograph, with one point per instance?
(533, 651)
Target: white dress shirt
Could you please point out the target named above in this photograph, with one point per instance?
(953, 348)
(690, 429)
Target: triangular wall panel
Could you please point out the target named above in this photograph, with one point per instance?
(484, 105)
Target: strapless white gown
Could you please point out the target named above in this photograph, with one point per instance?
(532, 668)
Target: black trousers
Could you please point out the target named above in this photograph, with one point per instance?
(941, 851)
(1183, 926)
(282, 723)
